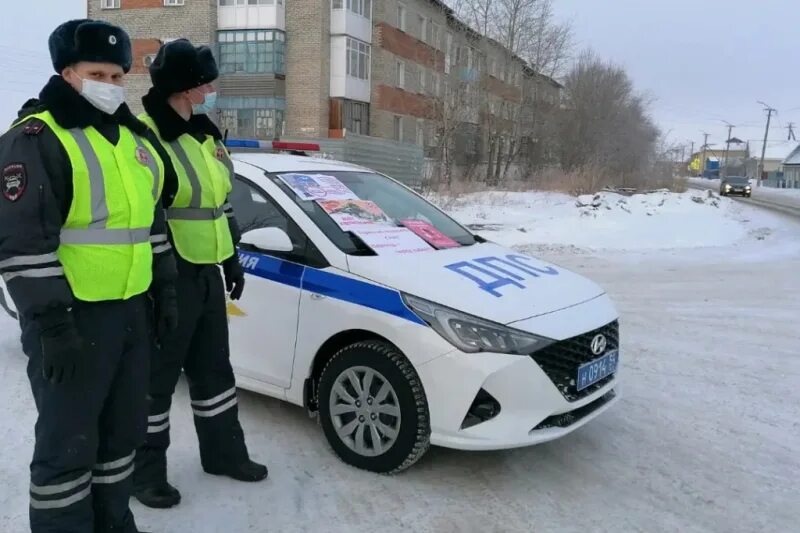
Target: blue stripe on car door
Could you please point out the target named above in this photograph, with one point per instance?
(331, 285)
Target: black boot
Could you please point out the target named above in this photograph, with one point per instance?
(159, 496)
(248, 471)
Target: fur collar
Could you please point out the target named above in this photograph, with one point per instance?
(170, 124)
(71, 110)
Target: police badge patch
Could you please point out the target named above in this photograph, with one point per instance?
(142, 156)
(14, 181)
(220, 153)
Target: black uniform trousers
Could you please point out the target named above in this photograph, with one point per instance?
(90, 427)
(199, 346)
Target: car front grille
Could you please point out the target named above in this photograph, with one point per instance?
(560, 361)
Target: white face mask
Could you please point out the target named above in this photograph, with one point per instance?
(106, 97)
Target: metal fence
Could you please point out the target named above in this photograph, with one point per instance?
(401, 161)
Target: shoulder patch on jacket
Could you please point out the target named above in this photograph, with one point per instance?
(33, 127)
(13, 181)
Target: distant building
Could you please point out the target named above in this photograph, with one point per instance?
(791, 169)
(774, 156)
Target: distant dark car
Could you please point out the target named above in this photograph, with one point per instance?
(735, 185)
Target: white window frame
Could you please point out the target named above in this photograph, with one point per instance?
(448, 52)
(397, 128)
(361, 49)
(400, 74)
(401, 16)
(174, 3)
(110, 4)
(420, 137)
(423, 27)
(436, 31)
(423, 85)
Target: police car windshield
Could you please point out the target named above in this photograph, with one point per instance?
(397, 203)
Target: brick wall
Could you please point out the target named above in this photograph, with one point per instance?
(308, 45)
(149, 22)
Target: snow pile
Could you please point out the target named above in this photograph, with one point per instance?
(658, 220)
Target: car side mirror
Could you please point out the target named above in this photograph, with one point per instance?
(268, 240)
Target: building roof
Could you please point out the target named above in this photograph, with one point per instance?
(794, 157)
(776, 150)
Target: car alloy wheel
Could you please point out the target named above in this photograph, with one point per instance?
(365, 411)
(372, 407)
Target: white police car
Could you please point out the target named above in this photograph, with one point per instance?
(470, 346)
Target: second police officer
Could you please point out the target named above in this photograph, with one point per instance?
(204, 233)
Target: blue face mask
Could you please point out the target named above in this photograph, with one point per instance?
(207, 106)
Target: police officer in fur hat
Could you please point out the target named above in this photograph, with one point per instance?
(83, 241)
(204, 232)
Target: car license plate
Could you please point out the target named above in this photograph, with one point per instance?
(593, 371)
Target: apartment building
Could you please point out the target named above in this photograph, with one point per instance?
(406, 70)
(248, 37)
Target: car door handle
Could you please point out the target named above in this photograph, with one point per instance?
(316, 296)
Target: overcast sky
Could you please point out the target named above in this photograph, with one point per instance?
(703, 61)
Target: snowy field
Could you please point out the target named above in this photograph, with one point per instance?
(705, 439)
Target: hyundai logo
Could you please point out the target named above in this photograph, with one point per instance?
(599, 344)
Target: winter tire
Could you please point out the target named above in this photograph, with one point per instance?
(373, 409)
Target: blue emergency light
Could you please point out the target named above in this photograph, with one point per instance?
(278, 146)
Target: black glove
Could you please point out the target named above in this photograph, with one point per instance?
(165, 302)
(62, 346)
(234, 277)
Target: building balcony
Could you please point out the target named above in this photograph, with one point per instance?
(239, 17)
(350, 69)
(345, 22)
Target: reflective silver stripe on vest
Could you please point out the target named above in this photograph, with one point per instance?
(226, 159)
(152, 165)
(49, 272)
(50, 490)
(194, 213)
(105, 236)
(191, 173)
(96, 179)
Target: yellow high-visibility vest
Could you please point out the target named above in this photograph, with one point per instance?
(105, 244)
(197, 216)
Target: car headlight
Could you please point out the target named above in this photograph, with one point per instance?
(727, 187)
(472, 334)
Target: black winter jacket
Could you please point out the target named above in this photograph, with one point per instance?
(36, 195)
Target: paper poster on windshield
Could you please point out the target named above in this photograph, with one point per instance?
(317, 187)
(353, 214)
(428, 232)
(385, 240)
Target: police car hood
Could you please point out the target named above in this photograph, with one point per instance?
(485, 280)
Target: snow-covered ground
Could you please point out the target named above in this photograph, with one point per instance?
(705, 439)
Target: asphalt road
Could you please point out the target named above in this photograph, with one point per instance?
(767, 199)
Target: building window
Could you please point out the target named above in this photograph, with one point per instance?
(400, 74)
(448, 52)
(423, 25)
(172, 3)
(260, 2)
(258, 118)
(420, 132)
(252, 52)
(401, 17)
(437, 84)
(109, 4)
(398, 129)
(423, 82)
(225, 3)
(435, 32)
(359, 7)
(355, 117)
(358, 59)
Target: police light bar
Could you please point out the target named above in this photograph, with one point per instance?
(272, 145)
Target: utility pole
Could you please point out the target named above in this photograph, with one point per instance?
(790, 127)
(770, 111)
(703, 161)
(727, 145)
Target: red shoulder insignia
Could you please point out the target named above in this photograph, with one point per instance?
(33, 127)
